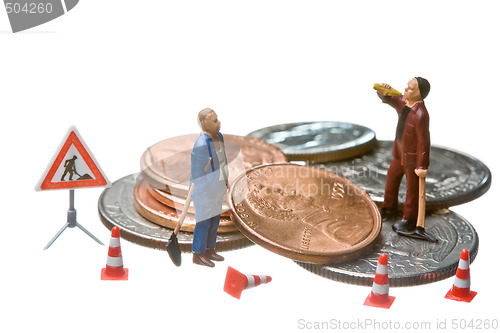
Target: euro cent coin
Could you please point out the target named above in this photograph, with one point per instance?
(319, 141)
(116, 208)
(453, 178)
(411, 261)
(304, 213)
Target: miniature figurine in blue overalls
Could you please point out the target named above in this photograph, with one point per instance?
(209, 176)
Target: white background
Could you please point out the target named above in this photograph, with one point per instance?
(131, 73)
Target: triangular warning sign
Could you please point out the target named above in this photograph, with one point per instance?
(73, 166)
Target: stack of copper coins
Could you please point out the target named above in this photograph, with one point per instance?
(319, 211)
(161, 190)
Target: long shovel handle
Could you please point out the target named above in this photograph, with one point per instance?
(184, 211)
(421, 202)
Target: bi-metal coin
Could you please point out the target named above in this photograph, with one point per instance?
(321, 141)
(304, 213)
(116, 208)
(453, 178)
(411, 261)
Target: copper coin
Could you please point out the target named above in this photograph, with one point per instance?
(178, 203)
(167, 164)
(154, 211)
(304, 213)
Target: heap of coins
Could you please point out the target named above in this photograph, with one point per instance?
(453, 178)
(320, 210)
(158, 194)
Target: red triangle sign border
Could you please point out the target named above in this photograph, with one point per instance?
(72, 138)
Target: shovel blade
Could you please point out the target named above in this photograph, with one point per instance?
(174, 251)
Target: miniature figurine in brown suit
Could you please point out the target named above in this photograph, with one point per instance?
(410, 155)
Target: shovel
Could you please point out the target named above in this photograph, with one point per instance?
(172, 247)
(421, 202)
(419, 231)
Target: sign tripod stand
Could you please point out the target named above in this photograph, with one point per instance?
(71, 223)
(71, 155)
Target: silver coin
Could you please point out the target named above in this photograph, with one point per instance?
(453, 178)
(319, 141)
(411, 261)
(116, 208)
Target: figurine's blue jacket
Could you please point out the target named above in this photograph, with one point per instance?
(209, 186)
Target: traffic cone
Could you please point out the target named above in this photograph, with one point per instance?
(114, 265)
(236, 282)
(379, 296)
(461, 287)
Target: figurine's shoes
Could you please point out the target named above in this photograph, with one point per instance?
(200, 259)
(387, 212)
(419, 233)
(404, 226)
(212, 255)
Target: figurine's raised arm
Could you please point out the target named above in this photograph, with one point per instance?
(389, 95)
(385, 89)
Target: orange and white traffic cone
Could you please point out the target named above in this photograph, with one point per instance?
(236, 282)
(114, 265)
(379, 296)
(461, 287)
